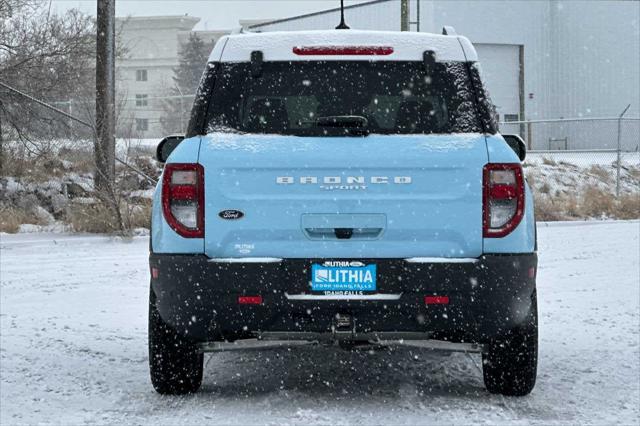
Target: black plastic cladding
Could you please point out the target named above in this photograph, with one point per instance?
(487, 298)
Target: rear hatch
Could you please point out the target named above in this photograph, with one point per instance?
(380, 196)
(377, 153)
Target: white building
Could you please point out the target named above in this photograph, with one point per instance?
(151, 46)
(543, 59)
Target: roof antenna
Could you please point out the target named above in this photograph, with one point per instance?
(343, 25)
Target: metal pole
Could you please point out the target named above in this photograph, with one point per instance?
(619, 149)
(418, 15)
(521, 86)
(404, 15)
(105, 143)
(1, 142)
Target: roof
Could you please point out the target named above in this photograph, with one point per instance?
(279, 46)
(180, 22)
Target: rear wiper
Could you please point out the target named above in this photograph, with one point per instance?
(350, 121)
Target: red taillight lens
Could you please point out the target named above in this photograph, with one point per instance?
(343, 50)
(503, 199)
(183, 199)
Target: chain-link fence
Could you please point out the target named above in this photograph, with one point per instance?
(610, 144)
(578, 134)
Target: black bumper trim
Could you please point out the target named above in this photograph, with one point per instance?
(198, 297)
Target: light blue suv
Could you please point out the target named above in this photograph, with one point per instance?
(344, 187)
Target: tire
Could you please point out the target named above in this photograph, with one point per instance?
(174, 362)
(510, 364)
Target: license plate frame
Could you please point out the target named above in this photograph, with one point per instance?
(338, 276)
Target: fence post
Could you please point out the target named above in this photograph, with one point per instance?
(619, 150)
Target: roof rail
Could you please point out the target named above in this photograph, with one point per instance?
(449, 30)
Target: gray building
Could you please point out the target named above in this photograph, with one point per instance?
(541, 59)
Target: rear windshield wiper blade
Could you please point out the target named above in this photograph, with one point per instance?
(350, 121)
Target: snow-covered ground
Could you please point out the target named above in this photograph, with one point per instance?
(73, 348)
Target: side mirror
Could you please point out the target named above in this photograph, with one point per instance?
(166, 147)
(517, 145)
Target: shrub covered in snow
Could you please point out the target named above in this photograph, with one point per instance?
(58, 194)
(565, 191)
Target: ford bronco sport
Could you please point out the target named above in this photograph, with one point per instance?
(343, 186)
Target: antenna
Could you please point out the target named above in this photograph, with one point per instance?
(343, 25)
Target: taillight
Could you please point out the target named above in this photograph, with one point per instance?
(503, 199)
(183, 199)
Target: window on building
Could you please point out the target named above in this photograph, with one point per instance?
(511, 117)
(142, 124)
(141, 75)
(142, 100)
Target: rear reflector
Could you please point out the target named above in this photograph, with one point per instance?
(436, 300)
(343, 50)
(250, 300)
(155, 273)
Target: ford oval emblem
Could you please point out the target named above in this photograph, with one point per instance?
(231, 214)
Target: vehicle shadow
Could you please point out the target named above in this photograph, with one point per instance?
(329, 385)
(330, 372)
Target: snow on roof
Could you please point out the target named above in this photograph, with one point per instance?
(278, 46)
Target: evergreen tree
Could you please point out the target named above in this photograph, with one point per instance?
(191, 61)
(192, 58)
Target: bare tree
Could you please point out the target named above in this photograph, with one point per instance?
(47, 56)
(53, 58)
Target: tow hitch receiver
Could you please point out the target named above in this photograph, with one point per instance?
(344, 324)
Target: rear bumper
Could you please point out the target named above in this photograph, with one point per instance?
(487, 297)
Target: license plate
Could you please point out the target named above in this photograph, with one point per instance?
(343, 276)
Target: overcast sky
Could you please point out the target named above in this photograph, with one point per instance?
(215, 14)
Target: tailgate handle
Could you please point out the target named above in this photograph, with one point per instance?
(343, 233)
(343, 226)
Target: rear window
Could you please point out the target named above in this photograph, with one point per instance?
(305, 98)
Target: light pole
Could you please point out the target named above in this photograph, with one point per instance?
(619, 149)
(105, 143)
(404, 15)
